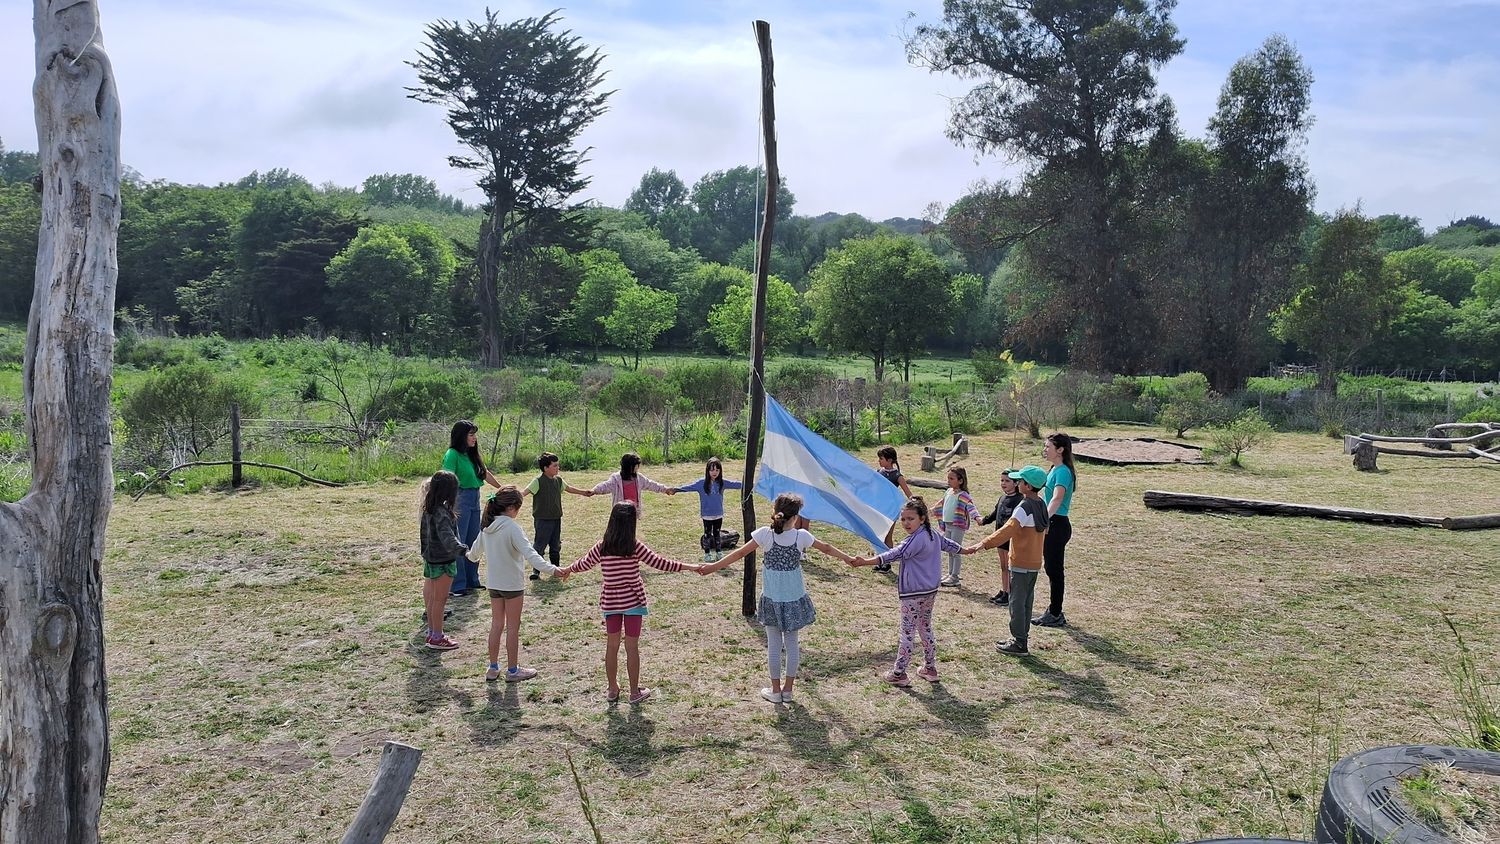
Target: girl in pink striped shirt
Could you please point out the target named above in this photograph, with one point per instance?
(623, 597)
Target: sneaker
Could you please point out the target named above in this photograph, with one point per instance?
(948, 581)
(786, 696)
(928, 674)
(895, 679)
(1001, 599)
(536, 575)
(441, 644)
(459, 593)
(882, 566)
(718, 555)
(1012, 647)
(492, 674)
(774, 697)
(708, 556)
(640, 695)
(1047, 619)
(517, 674)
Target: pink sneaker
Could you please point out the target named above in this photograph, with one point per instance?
(928, 674)
(442, 643)
(640, 695)
(895, 679)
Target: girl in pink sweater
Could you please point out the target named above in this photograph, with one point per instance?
(622, 599)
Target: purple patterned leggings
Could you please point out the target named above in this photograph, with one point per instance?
(916, 620)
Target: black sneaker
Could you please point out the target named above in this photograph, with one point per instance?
(535, 575)
(1012, 647)
(1001, 599)
(882, 566)
(1047, 619)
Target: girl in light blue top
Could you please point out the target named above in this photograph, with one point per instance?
(1062, 481)
(785, 606)
(710, 491)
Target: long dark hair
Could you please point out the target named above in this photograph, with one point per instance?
(440, 489)
(1064, 443)
(708, 475)
(628, 461)
(963, 477)
(619, 534)
(458, 440)
(787, 507)
(505, 497)
(917, 504)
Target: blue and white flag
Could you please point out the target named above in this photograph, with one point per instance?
(835, 487)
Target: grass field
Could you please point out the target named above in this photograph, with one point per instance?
(261, 647)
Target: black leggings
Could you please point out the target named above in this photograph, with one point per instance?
(1059, 531)
(711, 529)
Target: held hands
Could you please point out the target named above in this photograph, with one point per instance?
(671, 491)
(860, 561)
(971, 549)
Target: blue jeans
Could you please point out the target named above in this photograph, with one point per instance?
(468, 531)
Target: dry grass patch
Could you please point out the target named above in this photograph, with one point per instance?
(262, 646)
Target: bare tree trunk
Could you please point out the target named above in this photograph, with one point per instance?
(487, 296)
(54, 731)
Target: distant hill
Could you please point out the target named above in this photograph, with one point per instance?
(900, 225)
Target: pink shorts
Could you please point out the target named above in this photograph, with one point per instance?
(630, 623)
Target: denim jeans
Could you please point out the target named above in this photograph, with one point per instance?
(468, 531)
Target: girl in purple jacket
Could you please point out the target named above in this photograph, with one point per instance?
(921, 558)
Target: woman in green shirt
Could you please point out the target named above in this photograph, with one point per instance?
(463, 460)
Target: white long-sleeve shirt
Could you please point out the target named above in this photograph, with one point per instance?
(506, 551)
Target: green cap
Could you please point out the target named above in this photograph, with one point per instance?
(1033, 475)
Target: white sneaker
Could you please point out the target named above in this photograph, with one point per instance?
(774, 697)
(948, 581)
(786, 696)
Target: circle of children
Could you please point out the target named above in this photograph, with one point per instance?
(1032, 532)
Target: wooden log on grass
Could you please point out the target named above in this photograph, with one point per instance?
(1162, 500)
(398, 765)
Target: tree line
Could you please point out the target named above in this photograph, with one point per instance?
(1125, 247)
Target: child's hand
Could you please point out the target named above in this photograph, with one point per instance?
(856, 561)
(970, 549)
(708, 569)
(560, 575)
(671, 492)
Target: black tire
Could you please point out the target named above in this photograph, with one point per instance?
(1360, 803)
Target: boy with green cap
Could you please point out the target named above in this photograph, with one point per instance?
(1024, 530)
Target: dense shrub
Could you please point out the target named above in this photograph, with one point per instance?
(1189, 403)
(182, 410)
(132, 349)
(12, 349)
(706, 436)
(425, 398)
(546, 397)
(991, 366)
(499, 389)
(1487, 412)
(713, 387)
(636, 396)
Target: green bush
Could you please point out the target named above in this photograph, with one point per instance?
(636, 396)
(1487, 412)
(546, 397)
(12, 349)
(991, 366)
(799, 376)
(713, 387)
(417, 398)
(706, 436)
(132, 349)
(1246, 432)
(1189, 403)
(183, 410)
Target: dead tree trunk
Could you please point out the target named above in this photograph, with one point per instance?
(54, 732)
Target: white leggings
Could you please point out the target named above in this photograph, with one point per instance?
(776, 639)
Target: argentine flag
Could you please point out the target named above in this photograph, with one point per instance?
(835, 487)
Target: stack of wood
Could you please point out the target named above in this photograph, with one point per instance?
(1482, 445)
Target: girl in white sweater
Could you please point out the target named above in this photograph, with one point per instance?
(506, 551)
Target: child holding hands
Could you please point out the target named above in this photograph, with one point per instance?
(1025, 532)
(920, 555)
(954, 518)
(785, 606)
(710, 491)
(506, 551)
(622, 599)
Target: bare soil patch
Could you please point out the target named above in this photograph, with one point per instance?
(1135, 451)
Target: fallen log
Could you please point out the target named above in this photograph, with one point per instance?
(1483, 436)
(166, 473)
(398, 765)
(1486, 455)
(1162, 500)
(925, 483)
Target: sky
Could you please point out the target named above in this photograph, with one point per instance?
(1406, 94)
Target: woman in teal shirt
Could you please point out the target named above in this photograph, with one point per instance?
(1058, 493)
(463, 460)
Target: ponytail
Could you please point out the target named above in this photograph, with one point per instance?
(787, 507)
(917, 504)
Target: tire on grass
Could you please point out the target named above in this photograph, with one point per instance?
(1361, 802)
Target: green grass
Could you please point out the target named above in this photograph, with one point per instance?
(262, 646)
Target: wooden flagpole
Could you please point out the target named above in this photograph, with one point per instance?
(758, 322)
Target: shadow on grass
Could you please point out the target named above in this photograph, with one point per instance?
(1104, 648)
(1086, 690)
(547, 589)
(960, 715)
(627, 740)
(427, 685)
(501, 718)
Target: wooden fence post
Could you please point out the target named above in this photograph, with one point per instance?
(666, 437)
(398, 765)
(948, 409)
(909, 434)
(853, 431)
(515, 448)
(588, 456)
(237, 473)
(499, 426)
(878, 430)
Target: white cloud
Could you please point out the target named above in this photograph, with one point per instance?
(213, 91)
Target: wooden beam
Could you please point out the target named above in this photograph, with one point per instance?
(1161, 500)
(398, 765)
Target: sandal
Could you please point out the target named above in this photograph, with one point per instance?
(640, 695)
